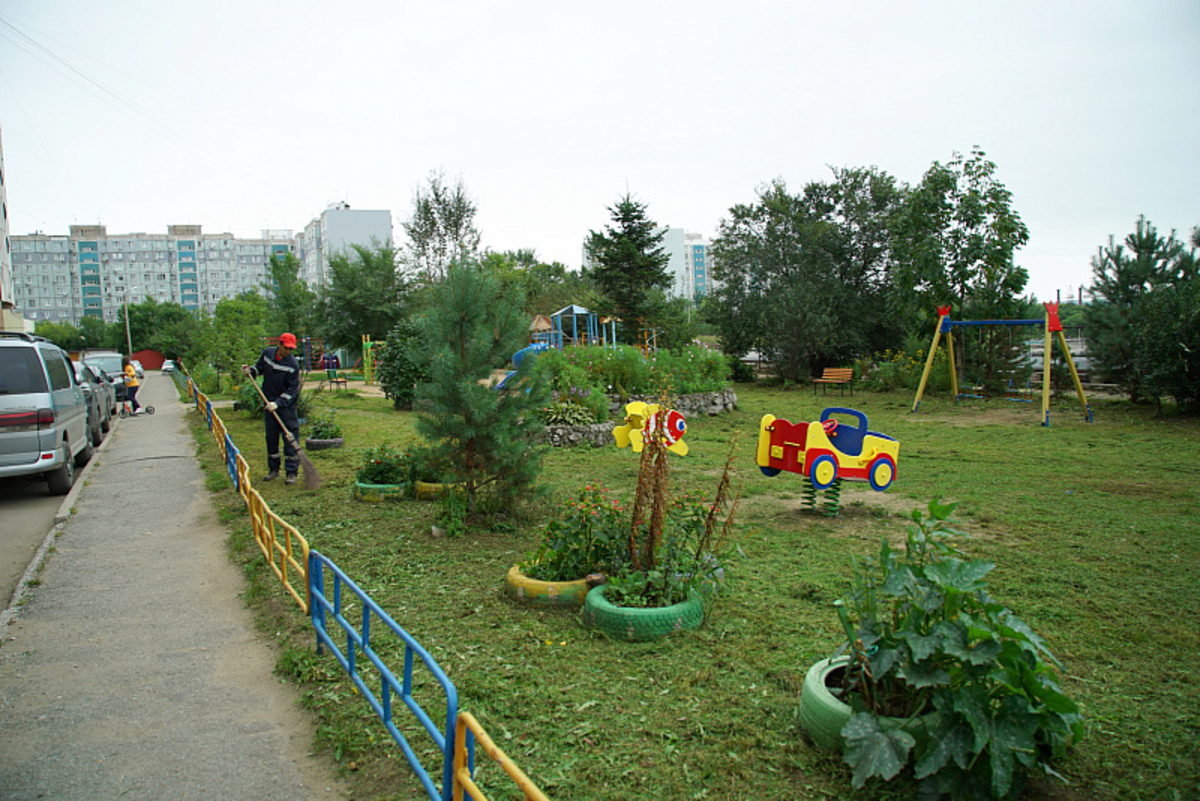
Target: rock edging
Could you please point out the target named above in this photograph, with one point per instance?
(599, 435)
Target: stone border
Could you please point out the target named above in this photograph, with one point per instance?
(599, 435)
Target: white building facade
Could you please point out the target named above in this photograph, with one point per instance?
(335, 232)
(688, 263)
(9, 318)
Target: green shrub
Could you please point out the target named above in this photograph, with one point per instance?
(385, 465)
(590, 536)
(206, 379)
(893, 371)
(323, 424)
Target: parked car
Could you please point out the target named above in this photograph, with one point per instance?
(106, 389)
(168, 367)
(95, 414)
(137, 368)
(43, 412)
(109, 363)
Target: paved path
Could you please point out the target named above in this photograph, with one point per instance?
(132, 670)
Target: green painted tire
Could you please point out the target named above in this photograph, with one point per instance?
(378, 493)
(532, 592)
(641, 625)
(823, 716)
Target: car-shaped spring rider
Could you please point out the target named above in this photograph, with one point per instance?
(827, 451)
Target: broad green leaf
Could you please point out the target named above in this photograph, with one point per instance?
(959, 575)
(1012, 733)
(871, 751)
(946, 745)
(972, 703)
(923, 646)
(924, 675)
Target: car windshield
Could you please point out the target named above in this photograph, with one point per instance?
(20, 372)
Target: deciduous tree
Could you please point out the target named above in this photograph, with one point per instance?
(442, 229)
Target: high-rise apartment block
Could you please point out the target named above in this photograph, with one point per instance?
(688, 264)
(338, 229)
(90, 273)
(9, 320)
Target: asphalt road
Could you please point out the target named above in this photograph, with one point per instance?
(27, 512)
(131, 669)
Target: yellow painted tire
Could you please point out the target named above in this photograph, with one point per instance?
(526, 590)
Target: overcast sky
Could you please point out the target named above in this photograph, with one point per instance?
(242, 115)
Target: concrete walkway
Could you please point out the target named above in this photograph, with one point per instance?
(131, 668)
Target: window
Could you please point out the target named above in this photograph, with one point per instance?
(56, 368)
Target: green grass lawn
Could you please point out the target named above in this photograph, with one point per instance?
(1095, 530)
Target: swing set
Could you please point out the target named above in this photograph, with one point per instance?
(1052, 326)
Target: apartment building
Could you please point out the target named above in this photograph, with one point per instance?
(334, 232)
(688, 263)
(90, 273)
(10, 320)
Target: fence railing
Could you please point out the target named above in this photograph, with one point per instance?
(296, 565)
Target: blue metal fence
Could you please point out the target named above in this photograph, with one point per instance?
(358, 643)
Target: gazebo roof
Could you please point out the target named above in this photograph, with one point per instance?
(571, 311)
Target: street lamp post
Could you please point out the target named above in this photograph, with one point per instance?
(128, 338)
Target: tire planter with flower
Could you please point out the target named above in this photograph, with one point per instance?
(315, 444)
(532, 592)
(378, 493)
(823, 715)
(638, 624)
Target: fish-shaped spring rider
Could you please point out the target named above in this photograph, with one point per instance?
(643, 419)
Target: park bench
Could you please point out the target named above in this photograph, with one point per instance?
(835, 375)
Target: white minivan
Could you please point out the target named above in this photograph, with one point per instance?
(43, 412)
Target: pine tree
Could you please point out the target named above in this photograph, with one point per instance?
(628, 262)
(1122, 279)
(486, 438)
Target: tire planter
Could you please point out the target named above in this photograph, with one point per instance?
(638, 624)
(314, 444)
(822, 715)
(378, 493)
(532, 592)
(429, 491)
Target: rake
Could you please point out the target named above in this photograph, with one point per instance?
(312, 479)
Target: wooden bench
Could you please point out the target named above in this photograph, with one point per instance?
(835, 375)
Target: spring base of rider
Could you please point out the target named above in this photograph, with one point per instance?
(831, 506)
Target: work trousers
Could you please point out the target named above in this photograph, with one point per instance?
(291, 462)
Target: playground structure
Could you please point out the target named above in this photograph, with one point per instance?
(528, 352)
(1052, 326)
(575, 325)
(827, 452)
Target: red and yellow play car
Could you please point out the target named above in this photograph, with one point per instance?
(827, 450)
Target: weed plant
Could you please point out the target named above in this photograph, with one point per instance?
(1093, 529)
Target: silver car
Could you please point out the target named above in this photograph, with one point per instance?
(43, 412)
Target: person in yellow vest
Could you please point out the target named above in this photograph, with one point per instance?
(131, 384)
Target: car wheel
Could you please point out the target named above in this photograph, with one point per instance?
(85, 455)
(106, 421)
(823, 472)
(60, 480)
(882, 473)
